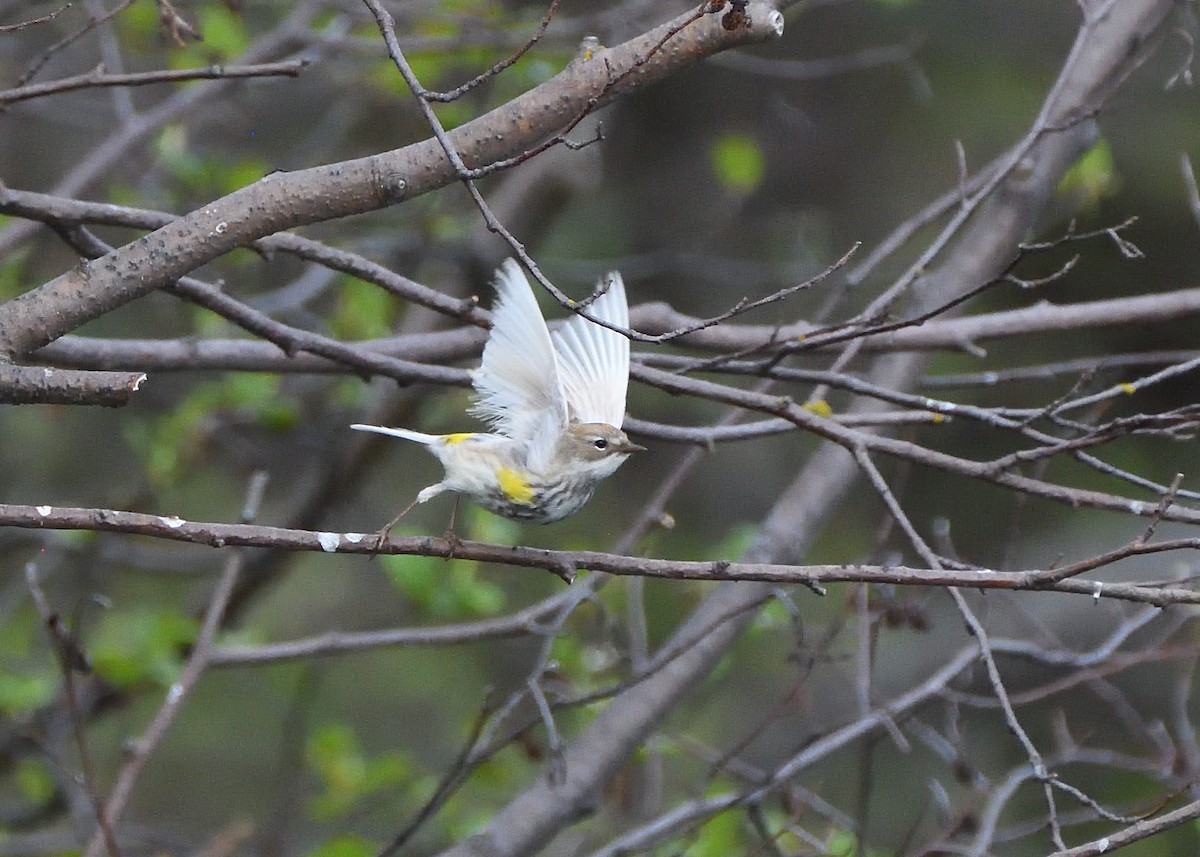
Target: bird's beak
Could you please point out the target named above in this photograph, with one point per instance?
(629, 446)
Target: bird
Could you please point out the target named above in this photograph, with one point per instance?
(554, 403)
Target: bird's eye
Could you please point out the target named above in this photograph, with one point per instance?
(600, 443)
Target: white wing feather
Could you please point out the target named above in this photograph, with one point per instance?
(516, 385)
(593, 361)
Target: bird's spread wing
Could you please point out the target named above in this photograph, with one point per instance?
(593, 361)
(517, 388)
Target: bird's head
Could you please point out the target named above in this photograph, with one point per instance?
(597, 447)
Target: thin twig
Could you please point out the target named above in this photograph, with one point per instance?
(181, 688)
(98, 78)
(69, 661)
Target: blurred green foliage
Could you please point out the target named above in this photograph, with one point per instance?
(843, 843)
(33, 780)
(12, 270)
(456, 588)
(23, 690)
(363, 311)
(738, 162)
(203, 175)
(167, 442)
(141, 646)
(346, 845)
(720, 836)
(347, 774)
(716, 184)
(1093, 177)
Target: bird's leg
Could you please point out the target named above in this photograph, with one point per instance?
(424, 495)
(450, 535)
(382, 534)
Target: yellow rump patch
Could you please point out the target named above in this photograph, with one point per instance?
(515, 486)
(457, 437)
(820, 407)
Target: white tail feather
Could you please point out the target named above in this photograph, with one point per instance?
(407, 434)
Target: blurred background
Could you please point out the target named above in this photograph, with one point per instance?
(734, 178)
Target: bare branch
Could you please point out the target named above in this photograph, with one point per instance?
(98, 78)
(9, 28)
(566, 563)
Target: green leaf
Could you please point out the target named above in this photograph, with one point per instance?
(1093, 177)
(738, 541)
(229, 176)
(23, 692)
(139, 28)
(444, 589)
(483, 526)
(225, 38)
(719, 837)
(454, 588)
(33, 781)
(175, 155)
(364, 311)
(738, 162)
(224, 31)
(199, 174)
(12, 270)
(142, 646)
(165, 441)
(841, 843)
(346, 845)
(347, 774)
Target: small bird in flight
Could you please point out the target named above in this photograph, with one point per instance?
(555, 402)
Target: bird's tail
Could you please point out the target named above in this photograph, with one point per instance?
(407, 434)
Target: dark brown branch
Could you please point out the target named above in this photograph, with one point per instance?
(564, 564)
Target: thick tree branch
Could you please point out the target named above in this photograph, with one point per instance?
(284, 200)
(23, 385)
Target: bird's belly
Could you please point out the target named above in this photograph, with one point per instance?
(500, 484)
(545, 504)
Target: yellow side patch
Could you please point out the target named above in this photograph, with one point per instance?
(515, 487)
(820, 407)
(457, 437)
